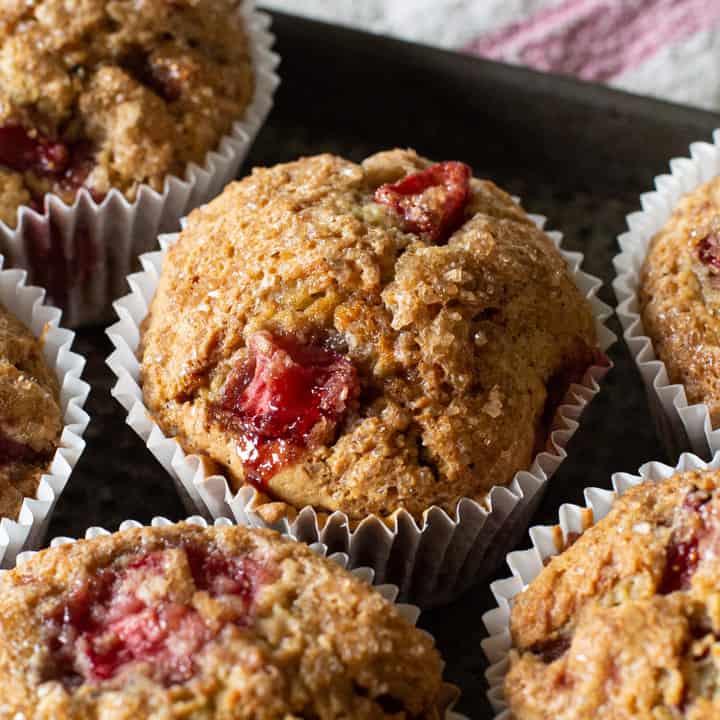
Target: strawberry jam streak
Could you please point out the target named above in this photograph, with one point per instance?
(684, 551)
(105, 624)
(709, 250)
(432, 201)
(287, 396)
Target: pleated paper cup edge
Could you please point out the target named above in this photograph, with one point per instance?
(211, 495)
(27, 303)
(231, 150)
(389, 592)
(525, 565)
(681, 425)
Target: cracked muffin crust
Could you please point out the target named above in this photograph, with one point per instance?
(30, 414)
(680, 296)
(198, 623)
(114, 93)
(625, 622)
(363, 337)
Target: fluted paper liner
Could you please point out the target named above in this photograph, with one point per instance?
(431, 562)
(87, 249)
(525, 565)
(680, 425)
(390, 592)
(26, 303)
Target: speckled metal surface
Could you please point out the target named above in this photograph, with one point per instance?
(577, 154)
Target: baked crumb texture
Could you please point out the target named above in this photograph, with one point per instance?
(680, 296)
(364, 338)
(625, 623)
(197, 623)
(114, 93)
(30, 415)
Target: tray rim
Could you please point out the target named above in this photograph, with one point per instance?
(532, 81)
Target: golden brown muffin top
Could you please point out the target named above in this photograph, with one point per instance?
(680, 296)
(363, 337)
(624, 623)
(30, 415)
(197, 623)
(114, 93)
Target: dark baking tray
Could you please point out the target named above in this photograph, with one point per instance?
(578, 153)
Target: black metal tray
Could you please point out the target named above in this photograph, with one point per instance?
(578, 153)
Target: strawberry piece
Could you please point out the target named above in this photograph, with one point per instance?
(709, 251)
(105, 625)
(218, 574)
(21, 151)
(167, 636)
(551, 650)
(68, 165)
(432, 201)
(166, 79)
(286, 394)
(685, 549)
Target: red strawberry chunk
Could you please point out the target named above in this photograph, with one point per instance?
(285, 395)
(432, 201)
(692, 530)
(21, 151)
(709, 250)
(67, 165)
(167, 80)
(551, 650)
(168, 636)
(108, 623)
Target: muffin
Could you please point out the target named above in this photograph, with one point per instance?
(625, 622)
(190, 622)
(114, 94)
(364, 337)
(679, 296)
(30, 415)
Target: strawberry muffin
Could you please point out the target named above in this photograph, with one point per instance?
(30, 415)
(370, 337)
(625, 622)
(198, 623)
(114, 93)
(680, 296)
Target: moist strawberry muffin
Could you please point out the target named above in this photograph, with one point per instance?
(363, 337)
(680, 296)
(30, 415)
(199, 623)
(625, 622)
(114, 93)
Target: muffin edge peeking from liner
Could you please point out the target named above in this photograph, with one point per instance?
(114, 232)
(525, 565)
(388, 591)
(26, 303)
(431, 564)
(681, 426)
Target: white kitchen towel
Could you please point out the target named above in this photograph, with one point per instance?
(666, 48)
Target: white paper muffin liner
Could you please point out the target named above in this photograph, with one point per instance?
(431, 562)
(390, 592)
(680, 425)
(525, 565)
(85, 250)
(26, 304)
